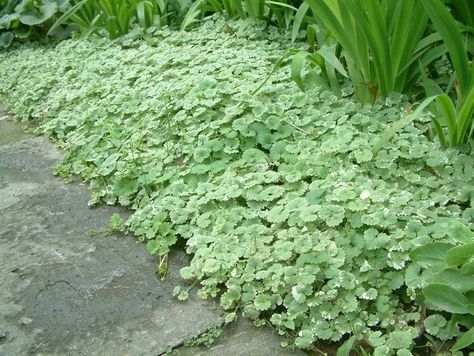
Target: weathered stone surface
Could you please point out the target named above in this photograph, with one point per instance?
(241, 338)
(9, 130)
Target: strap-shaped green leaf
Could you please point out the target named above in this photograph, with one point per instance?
(401, 123)
(448, 29)
(297, 65)
(448, 110)
(299, 17)
(64, 17)
(465, 340)
(466, 118)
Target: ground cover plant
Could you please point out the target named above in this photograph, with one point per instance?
(289, 213)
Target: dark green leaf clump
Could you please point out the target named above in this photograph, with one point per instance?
(448, 281)
(285, 209)
(23, 19)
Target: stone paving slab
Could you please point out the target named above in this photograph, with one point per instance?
(10, 131)
(241, 338)
(67, 289)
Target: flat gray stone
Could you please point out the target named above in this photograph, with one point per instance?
(10, 131)
(241, 338)
(66, 288)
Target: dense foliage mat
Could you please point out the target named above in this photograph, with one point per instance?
(287, 212)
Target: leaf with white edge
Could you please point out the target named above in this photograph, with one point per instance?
(363, 155)
(434, 324)
(333, 215)
(304, 339)
(253, 155)
(211, 265)
(230, 317)
(309, 213)
(183, 295)
(262, 302)
(186, 272)
(153, 246)
(272, 192)
(277, 214)
(116, 222)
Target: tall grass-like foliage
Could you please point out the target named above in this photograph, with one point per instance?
(457, 116)
(463, 10)
(281, 12)
(381, 41)
(457, 120)
(117, 17)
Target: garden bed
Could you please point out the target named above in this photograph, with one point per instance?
(287, 210)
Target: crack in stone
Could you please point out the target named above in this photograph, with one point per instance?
(49, 285)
